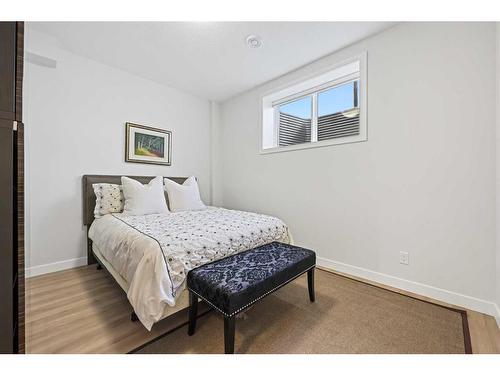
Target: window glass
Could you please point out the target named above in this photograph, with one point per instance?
(338, 112)
(338, 99)
(295, 122)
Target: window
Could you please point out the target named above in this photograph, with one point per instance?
(295, 122)
(325, 110)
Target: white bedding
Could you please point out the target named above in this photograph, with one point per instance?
(153, 253)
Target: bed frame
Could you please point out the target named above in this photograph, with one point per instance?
(89, 200)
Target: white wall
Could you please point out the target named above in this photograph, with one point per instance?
(498, 171)
(424, 182)
(75, 124)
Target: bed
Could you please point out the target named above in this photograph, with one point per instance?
(149, 256)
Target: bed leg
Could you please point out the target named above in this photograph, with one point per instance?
(133, 317)
(99, 267)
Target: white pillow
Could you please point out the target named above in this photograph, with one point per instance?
(144, 199)
(185, 197)
(109, 199)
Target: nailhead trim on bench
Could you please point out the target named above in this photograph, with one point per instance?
(255, 300)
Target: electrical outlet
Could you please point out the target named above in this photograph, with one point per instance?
(404, 257)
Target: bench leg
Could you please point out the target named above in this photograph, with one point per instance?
(229, 334)
(193, 312)
(310, 284)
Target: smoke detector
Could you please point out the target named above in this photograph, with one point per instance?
(253, 41)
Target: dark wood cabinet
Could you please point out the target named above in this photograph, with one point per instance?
(11, 189)
(6, 236)
(8, 52)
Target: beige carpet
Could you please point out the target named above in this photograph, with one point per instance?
(347, 317)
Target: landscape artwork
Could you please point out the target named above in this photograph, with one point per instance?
(144, 144)
(149, 145)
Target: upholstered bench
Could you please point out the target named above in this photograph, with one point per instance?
(232, 284)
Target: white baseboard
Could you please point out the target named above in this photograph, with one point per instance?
(443, 295)
(56, 266)
(497, 317)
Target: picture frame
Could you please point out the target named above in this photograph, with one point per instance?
(147, 145)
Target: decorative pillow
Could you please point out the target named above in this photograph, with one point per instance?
(109, 199)
(144, 199)
(185, 197)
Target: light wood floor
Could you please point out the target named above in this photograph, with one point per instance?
(82, 310)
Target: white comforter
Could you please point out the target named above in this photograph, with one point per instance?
(153, 253)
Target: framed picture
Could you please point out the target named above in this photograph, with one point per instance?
(144, 144)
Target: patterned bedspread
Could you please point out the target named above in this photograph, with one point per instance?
(190, 239)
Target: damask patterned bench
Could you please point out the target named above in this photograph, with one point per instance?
(232, 284)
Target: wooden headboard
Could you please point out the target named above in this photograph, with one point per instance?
(89, 198)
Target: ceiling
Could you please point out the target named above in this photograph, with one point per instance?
(208, 59)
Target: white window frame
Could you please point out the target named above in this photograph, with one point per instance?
(319, 82)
